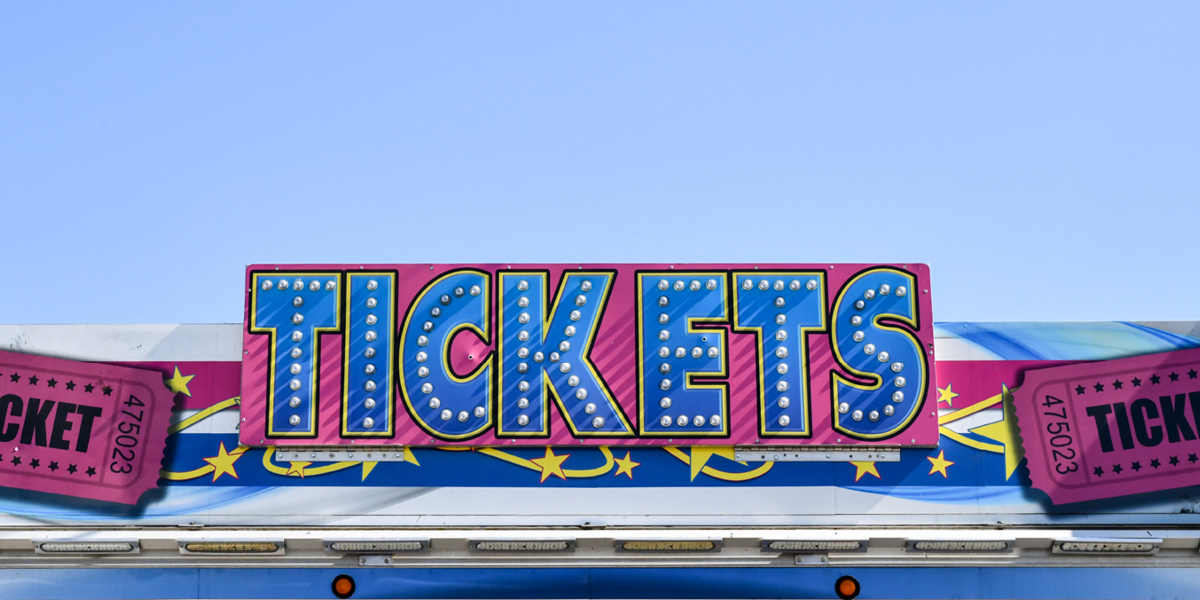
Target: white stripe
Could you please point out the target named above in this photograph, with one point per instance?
(132, 343)
(222, 422)
(546, 507)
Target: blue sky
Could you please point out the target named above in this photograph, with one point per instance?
(1043, 158)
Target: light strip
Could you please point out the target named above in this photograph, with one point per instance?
(669, 545)
(81, 547)
(1094, 546)
(231, 547)
(375, 546)
(814, 545)
(960, 546)
(522, 545)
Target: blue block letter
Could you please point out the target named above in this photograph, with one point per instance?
(368, 396)
(671, 352)
(544, 352)
(781, 308)
(293, 308)
(445, 405)
(888, 357)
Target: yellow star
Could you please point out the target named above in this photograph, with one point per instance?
(223, 462)
(863, 469)
(551, 464)
(940, 464)
(367, 467)
(179, 383)
(947, 395)
(701, 454)
(297, 468)
(1004, 431)
(625, 465)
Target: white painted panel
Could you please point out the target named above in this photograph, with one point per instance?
(224, 422)
(126, 343)
(854, 502)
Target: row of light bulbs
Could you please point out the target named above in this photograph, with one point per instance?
(680, 352)
(297, 285)
(435, 403)
(564, 346)
(295, 369)
(781, 335)
(883, 357)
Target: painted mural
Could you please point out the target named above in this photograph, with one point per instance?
(979, 465)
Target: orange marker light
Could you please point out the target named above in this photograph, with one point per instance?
(343, 586)
(847, 587)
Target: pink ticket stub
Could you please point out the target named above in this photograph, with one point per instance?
(1112, 428)
(81, 429)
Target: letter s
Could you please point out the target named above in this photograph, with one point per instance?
(889, 358)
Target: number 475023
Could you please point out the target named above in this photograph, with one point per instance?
(1061, 441)
(129, 426)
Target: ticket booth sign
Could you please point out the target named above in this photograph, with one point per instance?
(641, 354)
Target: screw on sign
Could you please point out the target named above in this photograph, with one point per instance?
(821, 354)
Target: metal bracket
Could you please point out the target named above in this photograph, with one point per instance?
(339, 454)
(816, 453)
(812, 559)
(375, 560)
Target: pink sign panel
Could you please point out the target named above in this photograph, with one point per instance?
(1112, 428)
(652, 354)
(88, 430)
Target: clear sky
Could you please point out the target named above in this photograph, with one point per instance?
(1042, 157)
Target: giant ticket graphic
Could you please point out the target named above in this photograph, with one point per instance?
(1112, 428)
(88, 430)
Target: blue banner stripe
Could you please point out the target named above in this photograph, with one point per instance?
(798, 582)
(655, 468)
